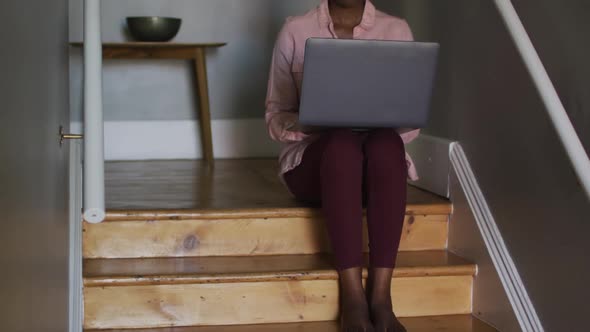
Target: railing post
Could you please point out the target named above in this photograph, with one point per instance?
(94, 209)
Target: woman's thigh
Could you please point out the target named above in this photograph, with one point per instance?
(341, 145)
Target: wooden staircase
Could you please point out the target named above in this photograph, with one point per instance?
(227, 249)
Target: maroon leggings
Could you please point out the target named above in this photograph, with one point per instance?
(344, 170)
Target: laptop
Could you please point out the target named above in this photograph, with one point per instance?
(367, 83)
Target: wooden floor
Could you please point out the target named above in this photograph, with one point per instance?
(452, 323)
(191, 184)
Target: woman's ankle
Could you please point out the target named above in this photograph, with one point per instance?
(378, 290)
(351, 289)
(379, 301)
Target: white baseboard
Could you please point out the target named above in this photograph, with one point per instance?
(509, 276)
(144, 140)
(431, 157)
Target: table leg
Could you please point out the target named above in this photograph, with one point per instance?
(204, 113)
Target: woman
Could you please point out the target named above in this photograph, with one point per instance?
(341, 168)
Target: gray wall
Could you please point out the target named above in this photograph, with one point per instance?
(162, 89)
(485, 99)
(560, 34)
(33, 171)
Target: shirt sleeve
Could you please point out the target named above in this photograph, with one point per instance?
(406, 35)
(282, 101)
(409, 135)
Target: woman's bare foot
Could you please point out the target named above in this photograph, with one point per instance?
(379, 299)
(384, 319)
(354, 309)
(355, 318)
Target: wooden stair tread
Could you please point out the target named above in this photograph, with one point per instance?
(190, 188)
(449, 323)
(101, 272)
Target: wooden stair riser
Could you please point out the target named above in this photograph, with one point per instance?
(260, 302)
(239, 237)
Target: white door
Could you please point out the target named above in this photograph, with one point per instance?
(33, 166)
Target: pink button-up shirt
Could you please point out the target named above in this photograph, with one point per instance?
(286, 74)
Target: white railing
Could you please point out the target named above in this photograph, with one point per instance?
(557, 113)
(94, 209)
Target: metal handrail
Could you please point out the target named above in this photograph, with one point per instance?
(94, 208)
(565, 130)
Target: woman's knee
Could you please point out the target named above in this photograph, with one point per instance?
(343, 144)
(384, 144)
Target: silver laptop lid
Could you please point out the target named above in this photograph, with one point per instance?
(367, 83)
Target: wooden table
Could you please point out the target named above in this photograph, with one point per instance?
(193, 52)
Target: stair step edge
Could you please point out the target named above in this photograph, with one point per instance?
(324, 274)
(448, 323)
(302, 212)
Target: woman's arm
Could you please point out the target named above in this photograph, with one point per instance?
(282, 101)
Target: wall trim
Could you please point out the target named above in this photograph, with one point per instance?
(511, 280)
(145, 140)
(431, 157)
(76, 303)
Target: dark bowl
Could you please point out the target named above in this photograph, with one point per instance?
(153, 28)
